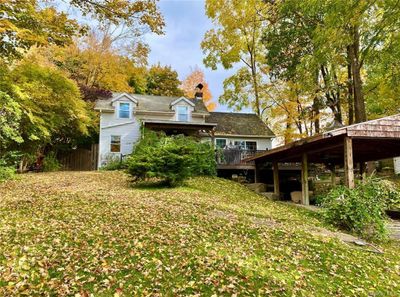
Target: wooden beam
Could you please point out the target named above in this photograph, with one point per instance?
(305, 195)
(348, 162)
(276, 178)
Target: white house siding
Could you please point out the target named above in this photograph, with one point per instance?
(127, 129)
(262, 143)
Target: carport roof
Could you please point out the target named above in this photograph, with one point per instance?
(372, 140)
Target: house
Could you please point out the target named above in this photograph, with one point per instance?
(124, 116)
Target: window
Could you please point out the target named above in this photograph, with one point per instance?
(240, 144)
(183, 113)
(124, 110)
(246, 145)
(220, 142)
(115, 144)
(251, 145)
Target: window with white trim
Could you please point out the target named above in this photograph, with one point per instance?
(220, 142)
(251, 145)
(246, 145)
(115, 146)
(124, 110)
(182, 113)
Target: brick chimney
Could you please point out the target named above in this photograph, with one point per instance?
(198, 94)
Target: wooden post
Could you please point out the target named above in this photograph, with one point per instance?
(348, 163)
(305, 195)
(276, 179)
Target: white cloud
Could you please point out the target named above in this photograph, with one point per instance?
(179, 47)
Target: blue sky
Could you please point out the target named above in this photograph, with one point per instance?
(179, 47)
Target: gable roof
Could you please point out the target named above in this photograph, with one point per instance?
(150, 103)
(130, 97)
(245, 124)
(182, 99)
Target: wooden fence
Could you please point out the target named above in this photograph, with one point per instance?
(80, 159)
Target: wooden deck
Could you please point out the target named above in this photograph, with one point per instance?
(233, 159)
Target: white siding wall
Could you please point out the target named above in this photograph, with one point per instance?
(262, 143)
(127, 128)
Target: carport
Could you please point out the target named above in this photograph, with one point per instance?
(359, 143)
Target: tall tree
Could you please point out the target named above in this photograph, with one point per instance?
(195, 77)
(293, 55)
(163, 81)
(52, 110)
(26, 23)
(94, 63)
(334, 43)
(236, 40)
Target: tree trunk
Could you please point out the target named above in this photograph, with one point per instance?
(359, 104)
(316, 107)
(333, 102)
(350, 101)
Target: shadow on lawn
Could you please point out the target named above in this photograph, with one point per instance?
(152, 184)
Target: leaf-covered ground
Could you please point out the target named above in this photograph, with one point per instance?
(91, 234)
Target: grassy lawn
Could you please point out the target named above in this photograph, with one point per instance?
(91, 233)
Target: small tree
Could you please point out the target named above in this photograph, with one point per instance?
(171, 159)
(362, 210)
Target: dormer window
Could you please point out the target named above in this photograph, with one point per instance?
(182, 113)
(124, 110)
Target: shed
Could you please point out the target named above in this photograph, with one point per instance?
(368, 141)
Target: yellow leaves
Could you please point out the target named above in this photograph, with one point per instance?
(91, 234)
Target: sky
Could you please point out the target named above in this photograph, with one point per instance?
(186, 23)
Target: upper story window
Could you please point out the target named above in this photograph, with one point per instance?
(183, 113)
(123, 112)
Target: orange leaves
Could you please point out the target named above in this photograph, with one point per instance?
(189, 87)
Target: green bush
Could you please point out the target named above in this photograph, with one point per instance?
(50, 163)
(171, 159)
(114, 163)
(7, 172)
(361, 210)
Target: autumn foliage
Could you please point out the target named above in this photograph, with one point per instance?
(189, 85)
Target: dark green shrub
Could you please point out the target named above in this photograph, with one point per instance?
(7, 172)
(50, 163)
(114, 163)
(171, 159)
(361, 210)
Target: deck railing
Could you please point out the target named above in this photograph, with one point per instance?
(234, 156)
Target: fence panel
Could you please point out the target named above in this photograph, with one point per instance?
(80, 159)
